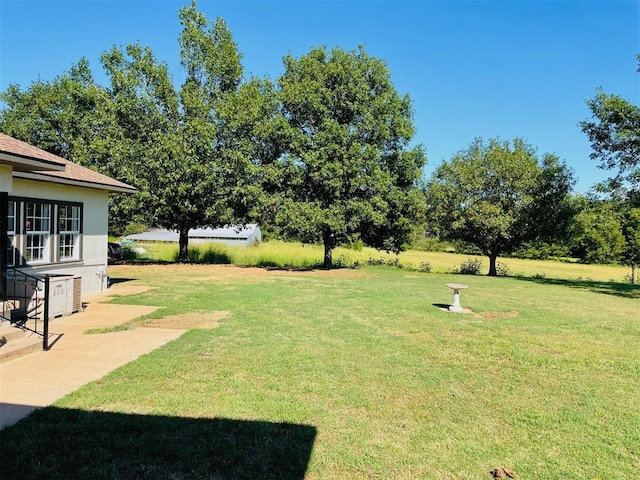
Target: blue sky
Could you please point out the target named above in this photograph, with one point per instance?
(519, 68)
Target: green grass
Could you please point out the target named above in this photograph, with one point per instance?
(277, 254)
(356, 374)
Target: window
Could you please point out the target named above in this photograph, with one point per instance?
(68, 232)
(38, 232)
(43, 231)
(11, 232)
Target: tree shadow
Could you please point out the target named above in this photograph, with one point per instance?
(114, 281)
(625, 290)
(57, 443)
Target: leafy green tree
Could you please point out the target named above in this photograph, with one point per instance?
(345, 172)
(497, 196)
(631, 232)
(196, 183)
(60, 116)
(597, 235)
(192, 152)
(75, 118)
(614, 133)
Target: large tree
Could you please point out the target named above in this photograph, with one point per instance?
(188, 179)
(498, 195)
(345, 170)
(74, 117)
(60, 116)
(614, 133)
(596, 234)
(631, 232)
(188, 150)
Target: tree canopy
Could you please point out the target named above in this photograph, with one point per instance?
(345, 171)
(178, 146)
(614, 133)
(498, 195)
(631, 232)
(596, 235)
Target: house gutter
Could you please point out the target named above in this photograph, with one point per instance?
(42, 177)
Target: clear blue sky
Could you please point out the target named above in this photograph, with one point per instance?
(520, 68)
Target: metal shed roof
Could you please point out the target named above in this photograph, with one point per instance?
(226, 233)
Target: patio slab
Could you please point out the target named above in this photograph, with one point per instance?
(76, 358)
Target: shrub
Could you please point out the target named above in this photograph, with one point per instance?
(471, 266)
(538, 250)
(425, 267)
(502, 270)
(394, 262)
(373, 261)
(132, 252)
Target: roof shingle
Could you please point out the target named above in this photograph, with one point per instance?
(72, 173)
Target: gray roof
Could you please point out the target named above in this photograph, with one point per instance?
(225, 233)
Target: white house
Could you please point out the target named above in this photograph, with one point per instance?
(55, 213)
(235, 236)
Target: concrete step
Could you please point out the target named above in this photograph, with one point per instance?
(9, 333)
(15, 343)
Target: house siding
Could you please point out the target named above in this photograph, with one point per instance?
(6, 178)
(92, 266)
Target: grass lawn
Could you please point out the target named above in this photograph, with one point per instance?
(355, 374)
(276, 254)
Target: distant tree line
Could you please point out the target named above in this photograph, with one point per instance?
(322, 155)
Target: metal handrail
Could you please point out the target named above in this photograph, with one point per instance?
(27, 288)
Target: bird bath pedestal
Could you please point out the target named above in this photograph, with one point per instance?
(456, 287)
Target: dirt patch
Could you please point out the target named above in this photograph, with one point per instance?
(126, 289)
(185, 321)
(223, 273)
(497, 315)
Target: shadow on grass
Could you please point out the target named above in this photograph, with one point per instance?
(113, 281)
(56, 443)
(270, 265)
(625, 290)
(442, 306)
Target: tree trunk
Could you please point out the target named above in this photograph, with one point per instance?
(634, 273)
(493, 259)
(329, 241)
(183, 246)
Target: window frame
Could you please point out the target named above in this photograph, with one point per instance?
(10, 255)
(76, 245)
(51, 239)
(42, 234)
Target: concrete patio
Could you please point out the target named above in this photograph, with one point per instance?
(39, 379)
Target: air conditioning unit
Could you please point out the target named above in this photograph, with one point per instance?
(64, 295)
(77, 295)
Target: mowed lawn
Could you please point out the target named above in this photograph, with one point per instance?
(355, 374)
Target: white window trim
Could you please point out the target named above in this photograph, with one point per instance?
(75, 234)
(44, 235)
(51, 248)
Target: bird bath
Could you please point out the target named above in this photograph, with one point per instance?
(456, 287)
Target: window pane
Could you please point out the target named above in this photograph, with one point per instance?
(37, 226)
(11, 231)
(69, 232)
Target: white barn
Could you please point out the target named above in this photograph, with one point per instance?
(234, 236)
